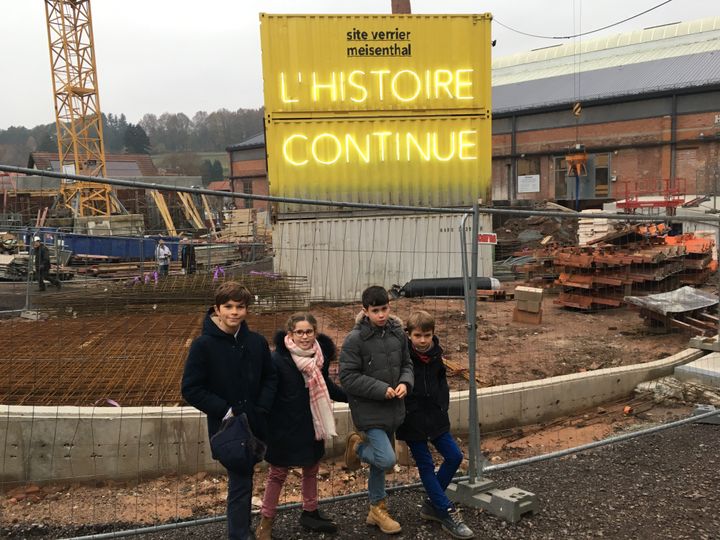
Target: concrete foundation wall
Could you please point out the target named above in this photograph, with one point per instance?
(43, 444)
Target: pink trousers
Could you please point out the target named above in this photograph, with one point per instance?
(275, 480)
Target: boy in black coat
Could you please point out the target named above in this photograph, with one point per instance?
(228, 372)
(426, 419)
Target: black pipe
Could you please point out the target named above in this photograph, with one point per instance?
(443, 286)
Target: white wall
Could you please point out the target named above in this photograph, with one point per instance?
(343, 256)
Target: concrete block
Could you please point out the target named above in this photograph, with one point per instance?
(509, 504)
(703, 409)
(463, 492)
(705, 370)
(32, 315)
(526, 317)
(706, 343)
(530, 306)
(528, 293)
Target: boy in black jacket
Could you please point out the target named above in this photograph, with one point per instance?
(426, 419)
(229, 372)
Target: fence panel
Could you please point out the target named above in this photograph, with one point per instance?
(92, 424)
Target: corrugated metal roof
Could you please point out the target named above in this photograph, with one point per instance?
(115, 164)
(256, 141)
(650, 38)
(668, 73)
(604, 59)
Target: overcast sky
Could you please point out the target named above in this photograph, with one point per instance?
(156, 56)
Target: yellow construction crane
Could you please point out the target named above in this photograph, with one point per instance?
(77, 107)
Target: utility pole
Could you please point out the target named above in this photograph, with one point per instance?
(400, 6)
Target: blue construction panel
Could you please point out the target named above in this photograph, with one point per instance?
(126, 248)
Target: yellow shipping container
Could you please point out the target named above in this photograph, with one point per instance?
(366, 63)
(437, 161)
(390, 109)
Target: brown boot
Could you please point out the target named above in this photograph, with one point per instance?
(264, 529)
(379, 516)
(352, 460)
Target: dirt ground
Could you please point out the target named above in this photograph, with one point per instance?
(508, 352)
(112, 504)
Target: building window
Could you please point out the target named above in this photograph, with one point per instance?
(247, 188)
(560, 174)
(528, 166)
(602, 162)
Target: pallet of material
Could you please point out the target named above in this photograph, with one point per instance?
(686, 309)
(494, 296)
(586, 302)
(82, 258)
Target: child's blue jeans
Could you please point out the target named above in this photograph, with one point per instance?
(379, 453)
(436, 484)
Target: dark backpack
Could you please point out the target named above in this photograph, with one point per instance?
(235, 446)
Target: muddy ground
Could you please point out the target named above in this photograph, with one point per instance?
(508, 352)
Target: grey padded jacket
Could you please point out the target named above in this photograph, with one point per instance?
(372, 360)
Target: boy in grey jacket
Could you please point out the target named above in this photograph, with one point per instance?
(376, 372)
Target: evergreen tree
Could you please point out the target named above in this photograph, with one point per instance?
(136, 140)
(217, 170)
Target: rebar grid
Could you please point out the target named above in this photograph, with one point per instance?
(133, 359)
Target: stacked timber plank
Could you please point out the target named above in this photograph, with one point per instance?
(590, 228)
(639, 260)
(263, 229)
(238, 225)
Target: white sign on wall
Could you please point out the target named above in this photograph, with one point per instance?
(528, 183)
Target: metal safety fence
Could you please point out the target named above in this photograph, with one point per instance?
(550, 343)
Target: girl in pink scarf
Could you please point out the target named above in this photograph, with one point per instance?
(301, 419)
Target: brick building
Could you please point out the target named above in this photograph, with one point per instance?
(248, 171)
(650, 113)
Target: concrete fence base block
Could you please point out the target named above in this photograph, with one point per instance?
(703, 409)
(509, 504)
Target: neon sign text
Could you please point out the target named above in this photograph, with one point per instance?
(300, 149)
(357, 86)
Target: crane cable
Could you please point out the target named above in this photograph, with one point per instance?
(582, 33)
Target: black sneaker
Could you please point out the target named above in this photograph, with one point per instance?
(318, 522)
(454, 525)
(428, 512)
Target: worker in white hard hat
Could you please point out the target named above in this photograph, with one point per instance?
(42, 264)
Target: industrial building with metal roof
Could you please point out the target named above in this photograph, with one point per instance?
(644, 104)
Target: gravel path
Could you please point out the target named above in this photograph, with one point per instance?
(665, 485)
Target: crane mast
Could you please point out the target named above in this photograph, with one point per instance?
(77, 107)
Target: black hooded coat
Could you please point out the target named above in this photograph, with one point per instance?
(426, 406)
(224, 371)
(291, 435)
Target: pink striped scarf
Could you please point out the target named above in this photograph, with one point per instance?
(310, 363)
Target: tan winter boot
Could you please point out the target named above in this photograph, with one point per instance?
(352, 460)
(379, 516)
(264, 529)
